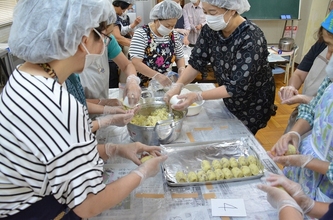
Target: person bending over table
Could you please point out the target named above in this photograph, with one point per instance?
(51, 166)
(154, 47)
(237, 51)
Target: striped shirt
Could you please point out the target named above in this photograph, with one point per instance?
(139, 43)
(306, 111)
(46, 145)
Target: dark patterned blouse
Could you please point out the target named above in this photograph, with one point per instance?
(240, 64)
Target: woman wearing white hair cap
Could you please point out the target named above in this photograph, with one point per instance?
(51, 166)
(154, 47)
(237, 51)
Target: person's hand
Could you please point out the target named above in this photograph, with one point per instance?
(301, 99)
(132, 90)
(162, 79)
(150, 167)
(292, 188)
(110, 102)
(298, 160)
(130, 151)
(188, 99)
(281, 146)
(186, 41)
(137, 21)
(198, 27)
(114, 110)
(175, 89)
(279, 198)
(115, 119)
(287, 92)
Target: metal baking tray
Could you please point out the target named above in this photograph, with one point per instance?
(187, 157)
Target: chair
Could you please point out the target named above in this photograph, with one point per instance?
(289, 68)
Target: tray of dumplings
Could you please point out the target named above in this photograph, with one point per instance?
(211, 162)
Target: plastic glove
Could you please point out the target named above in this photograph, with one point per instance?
(174, 90)
(150, 167)
(116, 119)
(114, 110)
(287, 92)
(130, 151)
(302, 99)
(188, 99)
(162, 79)
(110, 102)
(279, 198)
(281, 146)
(293, 160)
(294, 189)
(132, 90)
(173, 76)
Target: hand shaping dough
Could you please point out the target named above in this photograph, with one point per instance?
(225, 162)
(291, 150)
(219, 174)
(216, 164)
(254, 169)
(145, 158)
(211, 175)
(205, 165)
(227, 173)
(192, 177)
(181, 177)
(242, 161)
(237, 172)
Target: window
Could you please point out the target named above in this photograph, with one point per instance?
(6, 11)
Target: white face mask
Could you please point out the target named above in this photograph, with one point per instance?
(329, 69)
(91, 58)
(216, 22)
(193, 1)
(124, 14)
(163, 30)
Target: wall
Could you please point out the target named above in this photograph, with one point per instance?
(4, 33)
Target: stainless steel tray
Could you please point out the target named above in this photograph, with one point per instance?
(187, 157)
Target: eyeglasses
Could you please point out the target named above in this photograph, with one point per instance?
(107, 39)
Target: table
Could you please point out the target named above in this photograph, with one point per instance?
(154, 199)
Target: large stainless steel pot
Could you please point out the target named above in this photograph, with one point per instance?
(164, 132)
(286, 44)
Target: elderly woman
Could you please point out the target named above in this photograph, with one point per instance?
(51, 166)
(154, 47)
(237, 51)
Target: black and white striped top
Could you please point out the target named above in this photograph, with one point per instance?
(46, 145)
(139, 42)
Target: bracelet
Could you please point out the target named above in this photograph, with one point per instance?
(298, 135)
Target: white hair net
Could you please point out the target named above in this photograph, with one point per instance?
(46, 30)
(166, 9)
(240, 6)
(112, 18)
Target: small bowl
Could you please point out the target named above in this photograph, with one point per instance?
(195, 108)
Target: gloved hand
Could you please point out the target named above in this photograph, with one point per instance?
(130, 151)
(114, 110)
(301, 99)
(281, 146)
(150, 167)
(294, 189)
(132, 90)
(287, 92)
(115, 119)
(175, 89)
(162, 79)
(279, 198)
(188, 99)
(292, 160)
(110, 102)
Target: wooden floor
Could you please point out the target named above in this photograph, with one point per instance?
(269, 135)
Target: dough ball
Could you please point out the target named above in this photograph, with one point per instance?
(227, 173)
(216, 164)
(291, 150)
(192, 177)
(225, 163)
(145, 158)
(205, 165)
(211, 175)
(219, 174)
(181, 177)
(237, 172)
(201, 176)
(233, 162)
(246, 171)
(254, 169)
(252, 159)
(242, 161)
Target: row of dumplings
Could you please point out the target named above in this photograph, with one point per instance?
(217, 174)
(228, 163)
